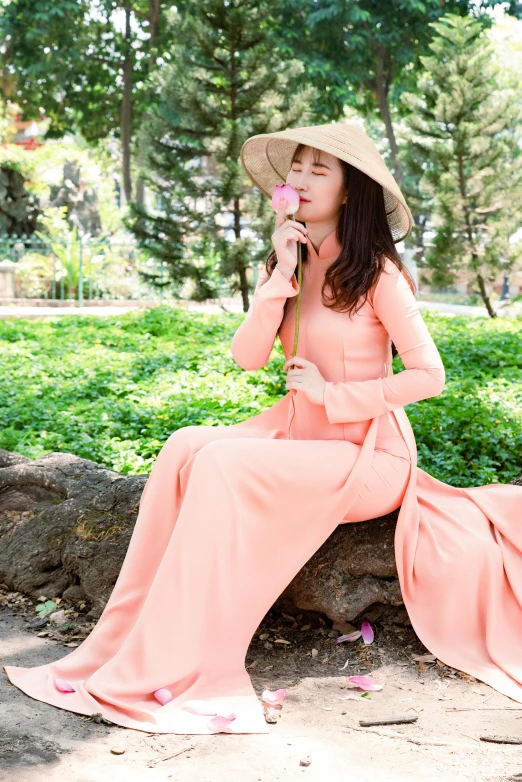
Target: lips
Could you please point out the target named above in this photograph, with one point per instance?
(304, 200)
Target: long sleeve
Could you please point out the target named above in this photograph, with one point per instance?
(253, 341)
(396, 307)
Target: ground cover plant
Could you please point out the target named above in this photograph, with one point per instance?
(113, 389)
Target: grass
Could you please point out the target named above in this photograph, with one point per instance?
(113, 389)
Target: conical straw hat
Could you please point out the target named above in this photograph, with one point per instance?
(266, 159)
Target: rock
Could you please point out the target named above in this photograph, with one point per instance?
(81, 201)
(74, 594)
(19, 209)
(270, 714)
(354, 569)
(57, 618)
(65, 523)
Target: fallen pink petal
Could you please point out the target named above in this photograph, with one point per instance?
(219, 722)
(365, 683)
(274, 698)
(163, 695)
(63, 686)
(350, 637)
(200, 707)
(367, 632)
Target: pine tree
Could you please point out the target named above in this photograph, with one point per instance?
(467, 127)
(225, 81)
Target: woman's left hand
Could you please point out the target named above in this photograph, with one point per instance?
(306, 378)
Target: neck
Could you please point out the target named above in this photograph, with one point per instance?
(322, 242)
(317, 233)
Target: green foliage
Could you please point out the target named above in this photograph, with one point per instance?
(62, 243)
(66, 57)
(42, 609)
(113, 389)
(466, 127)
(225, 81)
(361, 54)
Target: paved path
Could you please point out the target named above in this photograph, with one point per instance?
(13, 311)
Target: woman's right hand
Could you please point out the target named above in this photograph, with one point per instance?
(284, 240)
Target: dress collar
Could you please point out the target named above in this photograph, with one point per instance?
(329, 249)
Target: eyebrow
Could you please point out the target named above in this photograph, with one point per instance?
(314, 165)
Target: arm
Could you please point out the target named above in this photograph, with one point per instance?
(253, 341)
(424, 376)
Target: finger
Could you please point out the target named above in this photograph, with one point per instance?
(298, 225)
(295, 359)
(281, 213)
(293, 232)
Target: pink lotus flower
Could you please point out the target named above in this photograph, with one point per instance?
(365, 683)
(273, 698)
(290, 194)
(220, 722)
(163, 695)
(367, 632)
(63, 686)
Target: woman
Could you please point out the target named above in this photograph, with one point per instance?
(230, 514)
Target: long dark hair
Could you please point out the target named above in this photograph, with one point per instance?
(366, 241)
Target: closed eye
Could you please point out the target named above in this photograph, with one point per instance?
(313, 172)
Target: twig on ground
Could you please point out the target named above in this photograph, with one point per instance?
(483, 708)
(387, 721)
(502, 739)
(152, 763)
(412, 739)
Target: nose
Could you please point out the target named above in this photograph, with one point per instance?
(299, 182)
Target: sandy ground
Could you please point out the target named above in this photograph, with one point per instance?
(317, 734)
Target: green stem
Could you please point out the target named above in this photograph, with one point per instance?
(298, 302)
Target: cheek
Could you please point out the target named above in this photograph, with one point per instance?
(324, 196)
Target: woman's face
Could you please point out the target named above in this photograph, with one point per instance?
(317, 176)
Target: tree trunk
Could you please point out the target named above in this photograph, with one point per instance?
(126, 111)
(475, 261)
(154, 18)
(382, 87)
(243, 282)
(485, 296)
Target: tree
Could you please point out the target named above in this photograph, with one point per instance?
(365, 53)
(467, 127)
(86, 64)
(226, 81)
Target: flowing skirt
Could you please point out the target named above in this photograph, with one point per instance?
(227, 518)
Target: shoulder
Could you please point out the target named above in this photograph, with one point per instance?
(391, 280)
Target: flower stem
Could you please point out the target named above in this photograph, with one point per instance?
(298, 302)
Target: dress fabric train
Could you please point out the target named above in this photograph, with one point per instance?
(230, 514)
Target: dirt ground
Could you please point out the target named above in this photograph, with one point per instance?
(317, 734)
